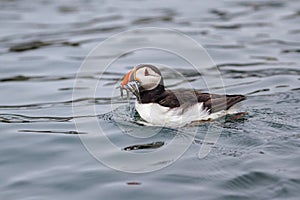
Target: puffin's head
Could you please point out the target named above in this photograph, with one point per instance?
(143, 77)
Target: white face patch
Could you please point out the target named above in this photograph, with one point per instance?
(148, 78)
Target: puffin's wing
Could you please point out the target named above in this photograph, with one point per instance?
(185, 98)
(216, 103)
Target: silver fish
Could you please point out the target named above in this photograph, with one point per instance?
(132, 87)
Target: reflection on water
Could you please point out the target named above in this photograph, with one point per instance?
(255, 45)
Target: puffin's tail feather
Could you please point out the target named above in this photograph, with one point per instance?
(225, 102)
(233, 99)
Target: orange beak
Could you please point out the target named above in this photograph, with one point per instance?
(130, 76)
(126, 78)
(130, 84)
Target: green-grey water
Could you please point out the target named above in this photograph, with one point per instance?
(255, 45)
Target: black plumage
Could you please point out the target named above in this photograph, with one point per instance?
(184, 98)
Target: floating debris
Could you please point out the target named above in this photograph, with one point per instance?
(153, 145)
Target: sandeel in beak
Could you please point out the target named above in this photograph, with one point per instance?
(130, 84)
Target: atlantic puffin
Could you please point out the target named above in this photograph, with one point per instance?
(158, 106)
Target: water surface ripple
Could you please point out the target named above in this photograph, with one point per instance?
(255, 45)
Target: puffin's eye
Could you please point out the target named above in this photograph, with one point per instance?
(146, 72)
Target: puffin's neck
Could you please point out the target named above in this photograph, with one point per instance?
(152, 96)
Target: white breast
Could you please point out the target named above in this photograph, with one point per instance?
(158, 115)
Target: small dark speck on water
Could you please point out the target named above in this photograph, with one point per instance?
(133, 183)
(153, 145)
